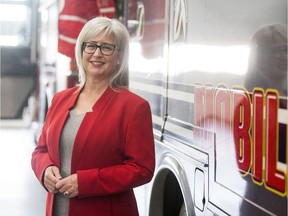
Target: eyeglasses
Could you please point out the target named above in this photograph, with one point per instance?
(105, 49)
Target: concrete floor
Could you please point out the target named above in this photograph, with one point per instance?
(20, 192)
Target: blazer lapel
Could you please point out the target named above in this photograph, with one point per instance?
(59, 124)
(86, 127)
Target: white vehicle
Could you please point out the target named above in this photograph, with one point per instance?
(216, 80)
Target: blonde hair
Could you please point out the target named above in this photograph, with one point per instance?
(111, 27)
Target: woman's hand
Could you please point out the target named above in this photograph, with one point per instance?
(68, 186)
(51, 178)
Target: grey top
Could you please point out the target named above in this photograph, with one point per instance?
(61, 203)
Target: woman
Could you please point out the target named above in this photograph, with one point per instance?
(97, 141)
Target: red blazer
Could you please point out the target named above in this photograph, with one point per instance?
(113, 152)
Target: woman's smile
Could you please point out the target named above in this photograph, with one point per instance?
(97, 62)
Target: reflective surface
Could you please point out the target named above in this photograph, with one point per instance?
(216, 79)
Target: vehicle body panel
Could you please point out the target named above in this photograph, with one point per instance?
(193, 69)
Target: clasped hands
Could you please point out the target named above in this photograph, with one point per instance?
(54, 182)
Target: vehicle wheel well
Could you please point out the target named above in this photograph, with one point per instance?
(166, 197)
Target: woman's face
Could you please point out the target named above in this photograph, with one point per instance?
(99, 66)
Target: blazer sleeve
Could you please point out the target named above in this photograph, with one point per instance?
(138, 166)
(40, 156)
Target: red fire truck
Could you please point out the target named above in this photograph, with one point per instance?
(215, 75)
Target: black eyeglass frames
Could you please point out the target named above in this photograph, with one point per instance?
(105, 49)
